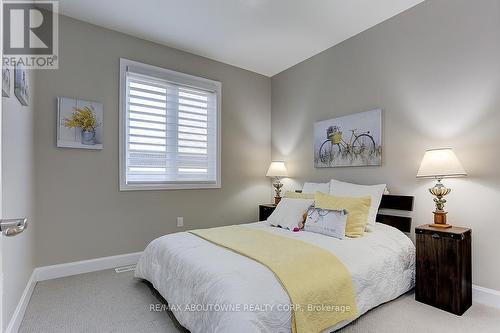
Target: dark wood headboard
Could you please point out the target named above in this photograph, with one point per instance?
(397, 203)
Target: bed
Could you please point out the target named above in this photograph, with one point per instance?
(212, 289)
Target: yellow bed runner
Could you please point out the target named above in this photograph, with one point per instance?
(318, 284)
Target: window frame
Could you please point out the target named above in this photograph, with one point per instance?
(178, 78)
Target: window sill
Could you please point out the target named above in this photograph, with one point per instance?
(166, 187)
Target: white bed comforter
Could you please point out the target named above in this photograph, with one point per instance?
(212, 289)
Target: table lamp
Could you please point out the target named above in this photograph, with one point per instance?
(276, 170)
(440, 163)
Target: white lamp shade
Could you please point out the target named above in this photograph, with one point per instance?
(277, 169)
(440, 163)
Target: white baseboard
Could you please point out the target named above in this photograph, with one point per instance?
(489, 297)
(62, 270)
(85, 266)
(18, 315)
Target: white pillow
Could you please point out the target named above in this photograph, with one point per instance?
(316, 187)
(327, 222)
(289, 213)
(343, 189)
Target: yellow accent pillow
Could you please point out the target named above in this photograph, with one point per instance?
(295, 195)
(357, 208)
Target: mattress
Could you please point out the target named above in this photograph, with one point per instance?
(212, 289)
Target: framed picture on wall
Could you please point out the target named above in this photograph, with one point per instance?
(353, 140)
(21, 86)
(6, 82)
(79, 124)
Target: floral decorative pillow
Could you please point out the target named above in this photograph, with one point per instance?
(326, 222)
(289, 213)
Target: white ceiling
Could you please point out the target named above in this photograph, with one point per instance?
(264, 36)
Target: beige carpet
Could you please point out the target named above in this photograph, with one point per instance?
(108, 302)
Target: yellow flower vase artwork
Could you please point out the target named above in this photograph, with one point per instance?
(80, 124)
(85, 119)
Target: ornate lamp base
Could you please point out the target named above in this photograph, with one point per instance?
(439, 191)
(277, 184)
(440, 220)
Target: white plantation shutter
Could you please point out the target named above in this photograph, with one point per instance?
(171, 129)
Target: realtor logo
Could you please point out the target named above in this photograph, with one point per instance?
(30, 34)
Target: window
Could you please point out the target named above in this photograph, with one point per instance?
(169, 129)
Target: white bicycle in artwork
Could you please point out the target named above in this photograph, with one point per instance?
(335, 145)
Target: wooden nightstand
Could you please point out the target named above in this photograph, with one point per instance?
(444, 272)
(265, 211)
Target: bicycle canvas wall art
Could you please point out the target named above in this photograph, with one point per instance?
(353, 140)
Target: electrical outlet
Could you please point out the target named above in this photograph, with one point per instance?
(180, 221)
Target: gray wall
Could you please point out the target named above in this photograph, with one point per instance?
(81, 213)
(435, 71)
(17, 195)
